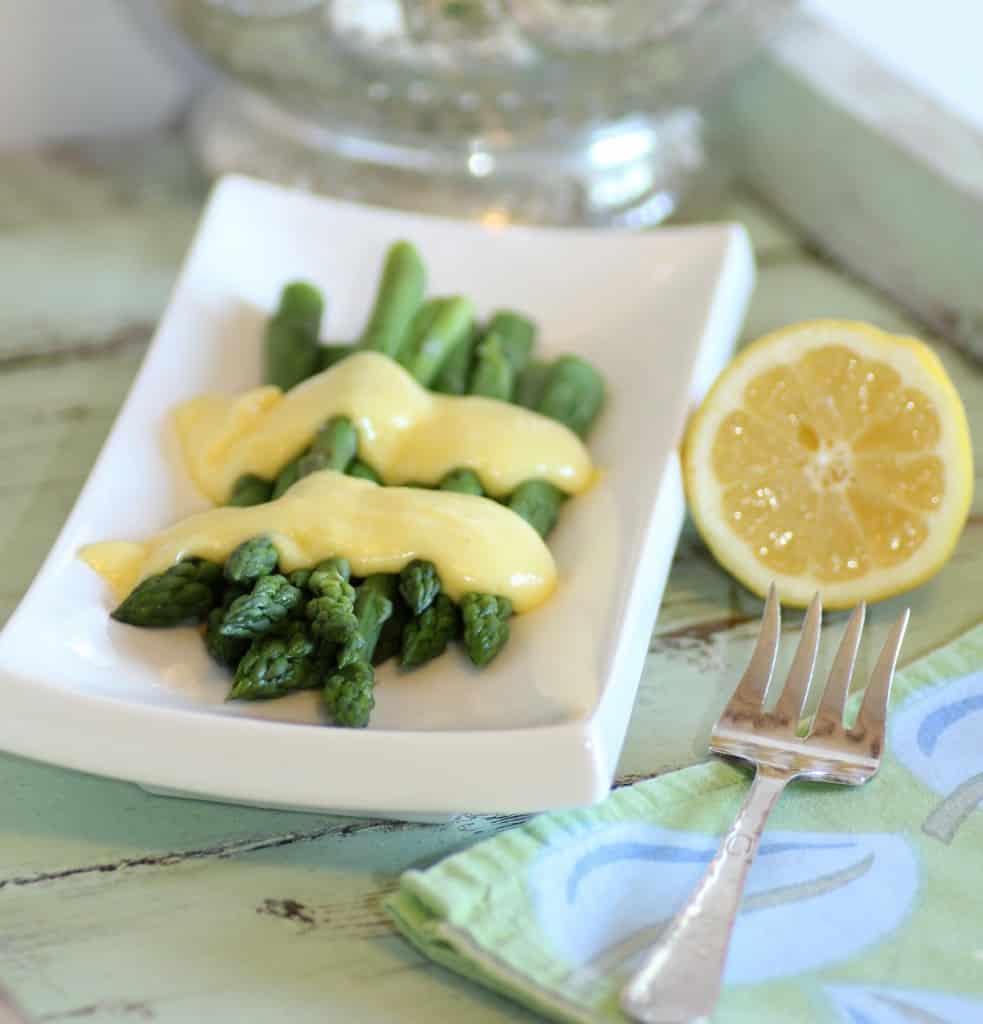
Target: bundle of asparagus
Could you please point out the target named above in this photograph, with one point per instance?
(318, 627)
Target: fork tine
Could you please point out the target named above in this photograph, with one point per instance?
(788, 710)
(753, 687)
(873, 711)
(830, 714)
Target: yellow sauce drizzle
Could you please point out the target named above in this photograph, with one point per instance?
(475, 543)
(405, 432)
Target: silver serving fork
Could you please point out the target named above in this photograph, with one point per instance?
(681, 975)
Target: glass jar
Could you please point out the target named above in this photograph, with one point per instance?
(547, 111)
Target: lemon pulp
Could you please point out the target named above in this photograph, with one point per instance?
(833, 456)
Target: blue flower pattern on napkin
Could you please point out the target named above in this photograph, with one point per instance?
(602, 898)
(936, 735)
(879, 1004)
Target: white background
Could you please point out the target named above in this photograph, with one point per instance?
(72, 67)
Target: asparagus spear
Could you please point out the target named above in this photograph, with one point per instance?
(328, 355)
(390, 641)
(456, 372)
(530, 384)
(226, 650)
(486, 626)
(419, 326)
(493, 375)
(539, 503)
(419, 584)
(398, 298)
(270, 602)
(373, 607)
(291, 342)
(348, 693)
(449, 328)
(428, 635)
(275, 664)
(333, 447)
(250, 560)
(185, 592)
(299, 578)
(287, 477)
(322, 575)
(331, 611)
(573, 394)
(463, 481)
(363, 471)
(250, 489)
(338, 440)
(517, 335)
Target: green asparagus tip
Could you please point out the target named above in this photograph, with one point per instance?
(348, 695)
(419, 585)
(185, 592)
(251, 559)
(301, 299)
(486, 626)
(270, 602)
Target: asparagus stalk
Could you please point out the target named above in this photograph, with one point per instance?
(291, 348)
(334, 446)
(275, 664)
(328, 355)
(517, 335)
(539, 503)
(390, 641)
(226, 650)
(419, 326)
(456, 372)
(486, 626)
(493, 375)
(573, 394)
(332, 610)
(463, 481)
(269, 603)
(185, 592)
(287, 477)
(348, 693)
(428, 635)
(449, 328)
(250, 489)
(373, 607)
(363, 471)
(250, 560)
(419, 584)
(397, 300)
(530, 384)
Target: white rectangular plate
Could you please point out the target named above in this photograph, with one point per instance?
(542, 727)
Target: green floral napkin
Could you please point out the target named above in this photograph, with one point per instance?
(863, 906)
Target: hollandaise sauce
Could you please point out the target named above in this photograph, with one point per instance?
(405, 432)
(475, 543)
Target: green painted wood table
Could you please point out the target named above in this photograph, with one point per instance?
(116, 905)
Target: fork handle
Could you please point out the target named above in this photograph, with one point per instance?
(680, 978)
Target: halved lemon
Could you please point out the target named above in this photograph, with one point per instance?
(831, 456)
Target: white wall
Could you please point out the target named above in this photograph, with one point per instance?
(83, 66)
(936, 45)
(71, 67)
